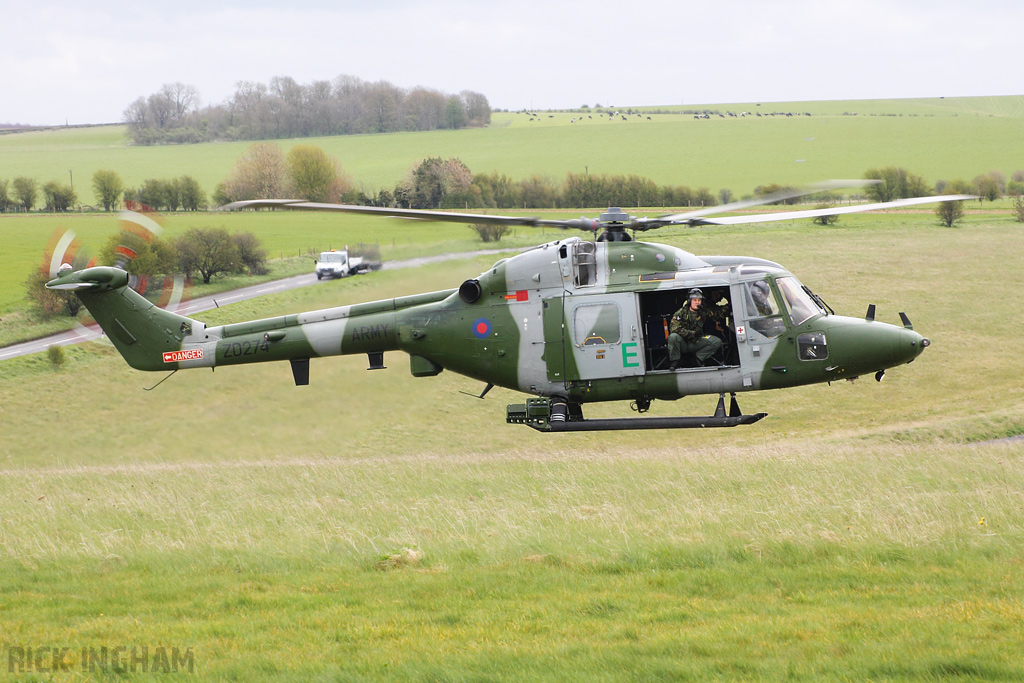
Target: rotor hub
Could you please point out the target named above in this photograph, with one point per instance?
(614, 214)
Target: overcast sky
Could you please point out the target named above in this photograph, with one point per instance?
(85, 62)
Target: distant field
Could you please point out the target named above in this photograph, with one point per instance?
(937, 138)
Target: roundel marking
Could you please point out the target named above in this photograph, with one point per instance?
(481, 328)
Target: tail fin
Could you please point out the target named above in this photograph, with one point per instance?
(148, 337)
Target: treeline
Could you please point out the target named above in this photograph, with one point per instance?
(448, 184)
(284, 108)
(306, 172)
(23, 193)
(264, 171)
(171, 194)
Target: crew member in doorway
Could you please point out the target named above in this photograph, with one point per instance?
(687, 332)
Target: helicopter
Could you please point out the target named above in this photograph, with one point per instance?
(570, 322)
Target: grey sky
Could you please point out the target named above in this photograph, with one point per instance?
(86, 62)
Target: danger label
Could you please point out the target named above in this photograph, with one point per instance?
(178, 356)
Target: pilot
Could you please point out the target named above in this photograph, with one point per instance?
(759, 290)
(687, 332)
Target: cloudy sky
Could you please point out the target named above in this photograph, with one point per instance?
(85, 62)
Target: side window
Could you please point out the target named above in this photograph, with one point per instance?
(763, 310)
(596, 324)
(812, 346)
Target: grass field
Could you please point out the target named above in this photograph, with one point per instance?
(378, 526)
(940, 138)
(373, 525)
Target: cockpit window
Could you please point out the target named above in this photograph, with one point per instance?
(763, 309)
(760, 300)
(800, 305)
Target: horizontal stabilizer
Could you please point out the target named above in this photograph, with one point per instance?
(99, 278)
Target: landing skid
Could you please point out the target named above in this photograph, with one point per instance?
(547, 415)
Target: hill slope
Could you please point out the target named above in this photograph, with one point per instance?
(937, 138)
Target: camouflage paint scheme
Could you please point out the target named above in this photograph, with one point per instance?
(571, 318)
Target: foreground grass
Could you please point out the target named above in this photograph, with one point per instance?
(784, 561)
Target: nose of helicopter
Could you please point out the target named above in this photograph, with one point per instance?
(910, 345)
(869, 346)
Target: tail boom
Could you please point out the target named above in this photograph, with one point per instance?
(152, 339)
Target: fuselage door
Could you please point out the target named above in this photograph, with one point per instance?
(602, 337)
(761, 323)
(554, 338)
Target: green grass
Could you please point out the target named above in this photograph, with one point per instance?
(774, 560)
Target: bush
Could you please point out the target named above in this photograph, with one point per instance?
(950, 212)
(50, 302)
(56, 355)
(489, 232)
(250, 253)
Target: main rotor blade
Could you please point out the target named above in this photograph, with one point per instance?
(581, 223)
(417, 214)
(814, 188)
(833, 211)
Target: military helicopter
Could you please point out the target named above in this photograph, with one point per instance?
(570, 322)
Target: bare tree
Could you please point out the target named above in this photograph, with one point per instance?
(136, 115)
(248, 105)
(423, 109)
(381, 107)
(181, 100)
(160, 109)
(285, 108)
(478, 109)
(260, 173)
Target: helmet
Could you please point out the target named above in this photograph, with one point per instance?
(760, 288)
(696, 294)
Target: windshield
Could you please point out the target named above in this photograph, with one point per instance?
(800, 305)
(332, 257)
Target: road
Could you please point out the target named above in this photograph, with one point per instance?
(205, 303)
